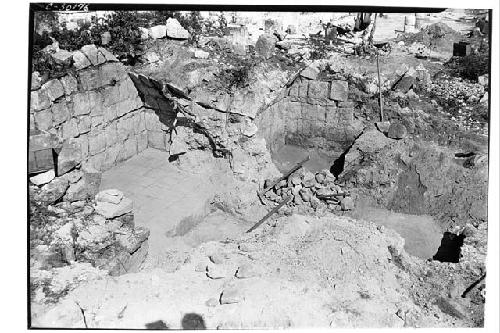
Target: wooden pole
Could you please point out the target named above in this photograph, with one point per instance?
(268, 215)
(380, 92)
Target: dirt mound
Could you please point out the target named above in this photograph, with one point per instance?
(300, 271)
(438, 36)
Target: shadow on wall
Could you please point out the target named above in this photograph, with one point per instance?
(190, 321)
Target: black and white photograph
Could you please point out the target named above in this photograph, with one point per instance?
(240, 166)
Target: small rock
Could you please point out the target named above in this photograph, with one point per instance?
(200, 267)
(483, 80)
(383, 126)
(295, 179)
(158, 31)
(144, 33)
(200, 54)
(62, 57)
(310, 73)
(105, 38)
(246, 271)
(265, 45)
(405, 84)
(347, 203)
(230, 296)
(215, 272)
(320, 178)
(53, 191)
(397, 131)
(212, 302)
(112, 196)
(109, 210)
(43, 178)
(217, 258)
(36, 81)
(247, 247)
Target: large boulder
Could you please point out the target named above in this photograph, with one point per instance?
(265, 45)
(43, 178)
(175, 30)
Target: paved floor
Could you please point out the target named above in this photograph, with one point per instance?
(162, 193)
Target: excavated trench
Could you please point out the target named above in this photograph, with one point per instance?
(307, 121)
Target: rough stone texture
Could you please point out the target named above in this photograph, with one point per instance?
(91, 52)
(310, 72)
(68, 158)
(54, 89)
(62, 57)
(69, 83)
(397, 131)
(339, 90)
(53, 191)
(96, 108)
(80, 61)
(265, 45)
(109, 210)
(43, 178)
(175, 30)
(158, 31)
(405, 84)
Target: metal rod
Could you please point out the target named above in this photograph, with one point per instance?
(268, 215)
(380, 92)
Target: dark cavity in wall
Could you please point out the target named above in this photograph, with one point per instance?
(450, 248)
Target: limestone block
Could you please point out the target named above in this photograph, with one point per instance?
(97, 143)
(68, 158)
(310, 72)
(111, 134)
(81, 103)
(174, 29)
(317, 89)
(109, 210)
(43, 119)
(156, 140)
(54, 89)
(36, 81)
(108, 55)
(158, 31)
(70, 129)
(152, 121)
(110, 156)
(127, 105)
(125, 128)
(339, 90)
(96, 121)
(60, 112)
(43, 178)
(62, 57)
(84, 124)
(53, 191)
(142, 141)
(109, 113)
(91, 52)
(97, 161)
(39, 100)
(69, 83)
(303, 87)
(128, 150)
(80, 61)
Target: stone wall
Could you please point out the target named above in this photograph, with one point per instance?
(94, 108)
(311, 109)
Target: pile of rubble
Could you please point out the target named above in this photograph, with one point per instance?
(310, 192)
(75, 241)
